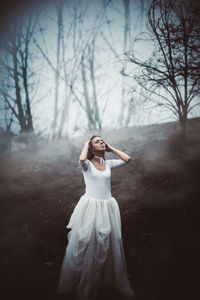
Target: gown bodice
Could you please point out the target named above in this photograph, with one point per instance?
(98, 183)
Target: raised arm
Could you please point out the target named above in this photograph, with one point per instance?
(84, 152)
(118, 152)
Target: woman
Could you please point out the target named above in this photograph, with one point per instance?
(94, 260)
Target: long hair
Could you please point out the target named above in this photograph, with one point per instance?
(90, 154)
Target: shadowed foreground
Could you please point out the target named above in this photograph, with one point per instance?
(158, 194)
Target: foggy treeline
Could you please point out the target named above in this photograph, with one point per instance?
(71, 66)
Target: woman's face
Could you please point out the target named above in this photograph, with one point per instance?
(98, 144)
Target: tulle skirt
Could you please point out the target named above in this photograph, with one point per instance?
(94, 257)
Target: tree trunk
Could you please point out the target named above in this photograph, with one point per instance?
(91, 123)
(59, 7)
(183, 127)
(126, 3)
(95, 103)
(22, 120)
(28, 107)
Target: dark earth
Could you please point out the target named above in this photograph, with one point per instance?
(159, 197)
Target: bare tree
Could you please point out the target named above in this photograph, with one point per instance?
(81, 88)
(15, 64)
(88, 98)
(73, 42)
(171, 75)
(71, 65)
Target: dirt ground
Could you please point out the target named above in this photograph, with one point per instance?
(159, 198)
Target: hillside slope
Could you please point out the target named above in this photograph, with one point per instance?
(158, 194)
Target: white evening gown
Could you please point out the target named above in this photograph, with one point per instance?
(94, 257)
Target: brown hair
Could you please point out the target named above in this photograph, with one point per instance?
(90, 154)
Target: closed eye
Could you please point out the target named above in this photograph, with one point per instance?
(97, 141)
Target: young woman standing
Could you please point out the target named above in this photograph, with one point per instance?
(94, 260)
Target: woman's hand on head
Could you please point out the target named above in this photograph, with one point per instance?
(86, 144)
(108, 147)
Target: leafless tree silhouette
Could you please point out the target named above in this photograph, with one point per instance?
(16, 72)
(171, 75)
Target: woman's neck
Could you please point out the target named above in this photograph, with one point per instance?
(99, 157)
(99, 154)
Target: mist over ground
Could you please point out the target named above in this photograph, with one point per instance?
(158, 195)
